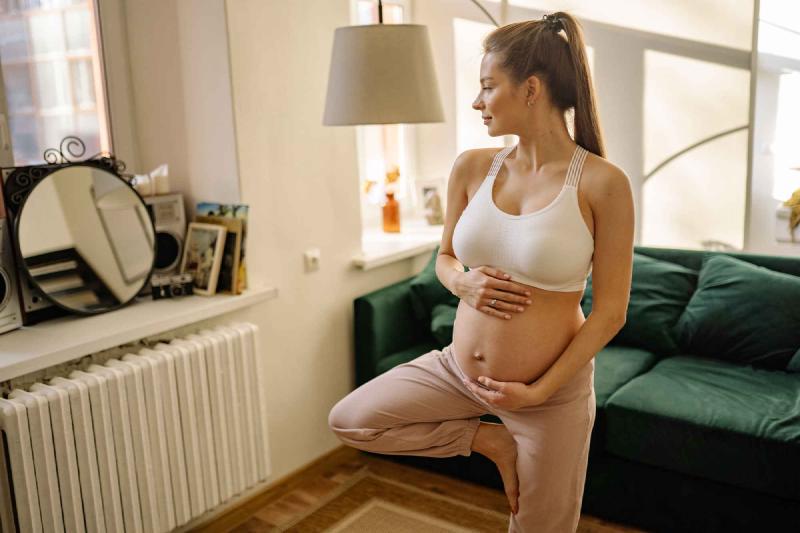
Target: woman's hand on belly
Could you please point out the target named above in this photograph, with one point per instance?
(507, 395)
(488, 290)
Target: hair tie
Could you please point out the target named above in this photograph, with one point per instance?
(553, 22)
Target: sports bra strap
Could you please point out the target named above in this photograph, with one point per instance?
(498, 161)
(576, 167)
(574, 171)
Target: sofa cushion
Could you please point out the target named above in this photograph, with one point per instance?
(660, 291)
(404, 356)
(713, 419)
(743, 313)
(427, 291)
(443, 317)
(615, 366)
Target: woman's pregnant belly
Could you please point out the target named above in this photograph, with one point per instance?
(519, 349)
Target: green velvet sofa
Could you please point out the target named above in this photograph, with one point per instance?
(698, 396)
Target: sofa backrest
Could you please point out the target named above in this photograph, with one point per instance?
(660, 292)
(694, 258)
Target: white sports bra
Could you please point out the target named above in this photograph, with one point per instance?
(550, 248)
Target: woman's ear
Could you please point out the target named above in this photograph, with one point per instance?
(533, 87)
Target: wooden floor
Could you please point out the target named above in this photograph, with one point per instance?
(296, 494)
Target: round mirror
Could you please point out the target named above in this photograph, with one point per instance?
(86, 239)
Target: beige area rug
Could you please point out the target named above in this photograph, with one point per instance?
(368, 503)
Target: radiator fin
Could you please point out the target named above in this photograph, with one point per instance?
(44, 458)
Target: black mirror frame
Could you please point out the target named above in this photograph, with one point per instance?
(17, 185)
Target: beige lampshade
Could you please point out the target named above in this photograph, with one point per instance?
(382, 74)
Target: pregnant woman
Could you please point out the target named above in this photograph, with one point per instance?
(531, 222)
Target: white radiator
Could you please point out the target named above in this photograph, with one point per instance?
(142, 443)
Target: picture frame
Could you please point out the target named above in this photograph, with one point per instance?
(231, 211)
(228, 280)
(202, 255)
(431, 195)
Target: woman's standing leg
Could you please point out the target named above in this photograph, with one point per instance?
(552, 456)
(417, 408)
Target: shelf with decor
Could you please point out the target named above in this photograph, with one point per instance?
(90, 264)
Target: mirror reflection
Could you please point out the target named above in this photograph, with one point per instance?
(86, 239)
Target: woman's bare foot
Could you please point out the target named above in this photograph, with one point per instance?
(495, 442)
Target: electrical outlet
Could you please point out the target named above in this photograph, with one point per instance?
(311, 259)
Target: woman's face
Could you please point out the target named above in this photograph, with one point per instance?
(498, 101)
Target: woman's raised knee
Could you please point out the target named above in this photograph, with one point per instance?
(344, 416)
(335, 417)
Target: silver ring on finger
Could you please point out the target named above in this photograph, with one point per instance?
(494, 301)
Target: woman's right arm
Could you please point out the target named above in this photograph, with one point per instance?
(481, 284)
(448, 268)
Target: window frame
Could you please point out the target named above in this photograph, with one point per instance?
(113, 38)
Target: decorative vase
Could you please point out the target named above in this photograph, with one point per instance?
(391, 214)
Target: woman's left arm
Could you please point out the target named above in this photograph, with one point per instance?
(611, 199)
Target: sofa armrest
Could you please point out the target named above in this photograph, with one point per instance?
(384, 323)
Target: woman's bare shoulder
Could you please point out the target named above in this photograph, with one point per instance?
(479, 155)
(600, 176)
(475, 163)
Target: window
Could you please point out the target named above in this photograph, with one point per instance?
(787, 132)
(383, 149)
(779, 28)
(700, 195)
(675, 104)
(779, 61)
(53, 78)
(673, 98)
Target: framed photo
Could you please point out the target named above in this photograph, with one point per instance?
(202, 255)
(431, 199)
(228, 281)
(231, 211)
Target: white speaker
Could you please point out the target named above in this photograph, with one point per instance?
(10, 315)
(32, 304)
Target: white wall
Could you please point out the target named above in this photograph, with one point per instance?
(231, 95)
(301, 180)
(181, 96)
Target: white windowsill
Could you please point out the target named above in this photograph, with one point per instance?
(59, 340)
(379, 248)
